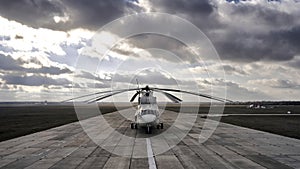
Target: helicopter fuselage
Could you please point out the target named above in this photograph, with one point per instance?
(147, 114)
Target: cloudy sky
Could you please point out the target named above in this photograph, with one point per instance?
(43, 46)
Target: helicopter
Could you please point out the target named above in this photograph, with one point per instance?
(147, 113)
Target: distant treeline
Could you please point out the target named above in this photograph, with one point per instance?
(229, 103)
(266, 103)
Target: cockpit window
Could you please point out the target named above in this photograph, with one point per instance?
(144, 112)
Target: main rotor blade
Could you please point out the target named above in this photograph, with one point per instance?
(103, 92)
(197, 94)
(170, 96)
(134, 96)
(109, 95)
(103, 97)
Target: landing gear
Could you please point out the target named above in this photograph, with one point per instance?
(133, 126)
(148, 130)
(160, 126)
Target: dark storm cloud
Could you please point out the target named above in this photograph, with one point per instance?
(289, 36)
(270, 34)
(90, 14)
(49, 70)
(71, 53)
(262, 15)
(98, 85)
(235, 90)
(94, 13)
(276, 39)
(194, 7)
(92, 80)
(87, 75)
(35, 80)
(257, 32)
(278, 45)
(9, 64)
(277, 83)
(233, 70)
(5, 38)
(36, 13)
(150, 41)
(202, 13)
(90, 76)
(281, 83)
(150, 77)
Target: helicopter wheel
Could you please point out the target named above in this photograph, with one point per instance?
(132, 125)
(148, 129)
(162, 125)
(157, 126)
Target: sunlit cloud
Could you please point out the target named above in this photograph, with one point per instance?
(257, 42)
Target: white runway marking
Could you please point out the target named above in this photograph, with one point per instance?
(151, 160)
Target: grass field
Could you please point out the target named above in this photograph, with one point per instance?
(278, 123)
(283, 125)
(240, 109)
(17, 121)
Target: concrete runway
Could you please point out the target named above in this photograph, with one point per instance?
(69, 146)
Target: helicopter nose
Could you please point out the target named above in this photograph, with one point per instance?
(148, 118)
